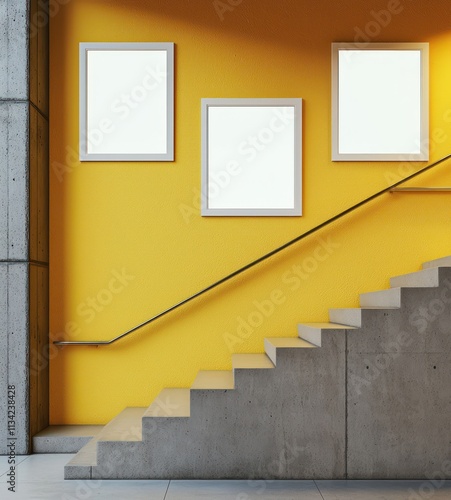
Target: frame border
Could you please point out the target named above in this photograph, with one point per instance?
(83, 49)
(296, 103)
(424, 125)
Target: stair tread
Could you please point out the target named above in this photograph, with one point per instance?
(425, 278)
(384, 291)
(390, 297)
(75, 431)
(214, 379)
(364, 308)
(352, 316)
(327, 326)
(251, 361)
(275, 343)
(442, 262)
(64, 438)
(171, 402)
(289, 342)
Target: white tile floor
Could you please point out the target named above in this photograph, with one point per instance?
(41, 477)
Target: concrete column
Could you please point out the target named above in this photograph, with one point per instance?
(24, 256)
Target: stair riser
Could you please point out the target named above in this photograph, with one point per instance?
(77, 472)
(246, 379)
(312, 335)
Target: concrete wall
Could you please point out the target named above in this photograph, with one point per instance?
(399, 388)
(24, 255)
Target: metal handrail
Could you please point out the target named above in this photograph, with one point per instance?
(255, 262)
(418, 189)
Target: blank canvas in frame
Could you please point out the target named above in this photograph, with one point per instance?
(380, 100)
(126, 102)
(251, 157)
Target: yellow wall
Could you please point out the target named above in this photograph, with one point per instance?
(110, 217)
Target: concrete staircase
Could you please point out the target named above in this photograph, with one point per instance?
(365, 396)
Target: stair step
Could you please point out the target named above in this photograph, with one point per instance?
(219, 439)
(272, 344)
(251, 362)
(213, 379)
(443, 262)
(312, 332)
(425, 278)
(390, 298)
(170, 403)
(353, 316)
(84, 459)
(127, 426)
(64, 438)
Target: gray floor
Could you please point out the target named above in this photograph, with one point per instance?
(41, 477)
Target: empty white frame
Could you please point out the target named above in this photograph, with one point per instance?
(126, 101)
(380, 102)
(251, 157)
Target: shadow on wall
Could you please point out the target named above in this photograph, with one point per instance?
(294, 22)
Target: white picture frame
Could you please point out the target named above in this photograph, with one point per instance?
(380, 102)
(126, 101)
(251, 157)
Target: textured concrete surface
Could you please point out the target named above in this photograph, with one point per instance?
(14, 48)
(24, 217)
(381, 298)
(3, 353)
(425, 278)
(80, 466)
(274, 424)
(14, 181)
(15, 351)
(39, 57)
(399, 387)
(18, 349)
(443, 261)
(64, 438)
